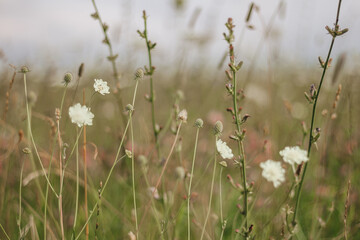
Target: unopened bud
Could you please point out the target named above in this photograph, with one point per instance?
(199, 123)
(67, 78)
(218, 128)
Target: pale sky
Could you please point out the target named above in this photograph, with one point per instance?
(62, 33)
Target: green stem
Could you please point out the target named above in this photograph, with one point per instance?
(20, 196)
(2, 228)
(241, 153)
(77, 185)
(313, 119)
(211, 193)
(191, 177)
(221, 206)
(49, 170)
(32, 138)
(152, 97)
(133, 174)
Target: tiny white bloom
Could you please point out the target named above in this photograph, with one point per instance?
(273, 172)
(101, 86)
(80, 115)
(224, 150)
(183, 115)
(294, 155)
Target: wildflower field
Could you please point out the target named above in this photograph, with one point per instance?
(241, 148)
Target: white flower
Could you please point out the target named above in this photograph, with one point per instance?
(101, 86)
(80, 115)
(294, 155)
(224, 150)
(183, 115)
(273, 172)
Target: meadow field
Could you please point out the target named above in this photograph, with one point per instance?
(241, 148)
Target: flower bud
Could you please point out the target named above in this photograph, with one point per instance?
(67, 78)
(24, 69)
(139, 74)
(218, 128)
(199, 123)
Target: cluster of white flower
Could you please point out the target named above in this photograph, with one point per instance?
(273, 172)
(101, 87)
(80, 115)
(224, 150)
(294, 155)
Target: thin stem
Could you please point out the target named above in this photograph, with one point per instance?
(223, 223)
(133, 174)
(111, 58)
(77, 184)
(325, 67)
(85, 172)
(2, 228)
(190, 183)
(20, 196)
(116, 160)
(50, 164)
(61, 181)
(241, 152)
(152, 97)
(32, 138)
(161, 174)
(211, 193)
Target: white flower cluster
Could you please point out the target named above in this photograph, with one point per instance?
(273, 172)
(183, 115)
(224, 150)
(101, 87)
(80, 115)
(294, 155)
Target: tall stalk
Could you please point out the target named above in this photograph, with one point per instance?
(149, 72)
(112, 57)
(314, 98)
(198, 124)
(240, 134)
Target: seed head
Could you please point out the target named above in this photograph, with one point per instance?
(218, 128)
(81, 70)
(199, 123)
(67, 78)
(24, 69)
(129, 108)
(139, 74)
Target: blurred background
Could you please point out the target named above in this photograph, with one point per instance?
(61, 34)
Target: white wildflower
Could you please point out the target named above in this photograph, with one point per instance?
(294, 155)
(273, 172)
(80, 115)
(183, 115)
(224, 150)
(101, 87)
